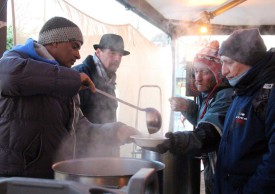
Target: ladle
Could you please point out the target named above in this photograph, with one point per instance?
(153, 117)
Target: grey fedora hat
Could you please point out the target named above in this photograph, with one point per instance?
(113, 42)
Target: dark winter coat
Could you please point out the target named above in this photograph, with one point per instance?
(38, 109)
(246, 158)
(96, 107)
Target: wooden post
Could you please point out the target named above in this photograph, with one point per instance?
(3, 26)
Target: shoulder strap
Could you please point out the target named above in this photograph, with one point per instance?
(259, 103)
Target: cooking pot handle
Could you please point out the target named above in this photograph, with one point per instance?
(144, 180)
(101, 191)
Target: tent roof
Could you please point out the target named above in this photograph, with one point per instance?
(184, 17)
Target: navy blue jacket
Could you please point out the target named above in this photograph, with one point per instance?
(96, 107)
(246, 157)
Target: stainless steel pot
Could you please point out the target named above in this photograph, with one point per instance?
(181, 174)
(107, 172)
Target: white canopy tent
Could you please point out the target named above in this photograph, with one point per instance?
(147, 65)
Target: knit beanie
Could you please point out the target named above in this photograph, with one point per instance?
(245, 46)
(209, 56)
(59, 29)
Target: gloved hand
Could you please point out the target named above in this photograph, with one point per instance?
(125, 132)
(180, 143)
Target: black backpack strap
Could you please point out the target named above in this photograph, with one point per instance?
(259, 103)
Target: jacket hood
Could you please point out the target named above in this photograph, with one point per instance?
(29, 49)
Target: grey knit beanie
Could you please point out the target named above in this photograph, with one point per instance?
(59, 29)
(245, 46)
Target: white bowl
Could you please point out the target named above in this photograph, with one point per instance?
(148, 141)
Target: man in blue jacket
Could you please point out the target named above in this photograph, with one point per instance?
(101, 68)
(39, 106)
(246, 157)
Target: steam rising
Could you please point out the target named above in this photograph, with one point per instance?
(89, 141)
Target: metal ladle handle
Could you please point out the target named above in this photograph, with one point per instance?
(117, 99)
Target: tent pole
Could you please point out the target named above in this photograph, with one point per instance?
(3, 26)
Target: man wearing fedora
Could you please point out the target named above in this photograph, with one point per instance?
(101, 68)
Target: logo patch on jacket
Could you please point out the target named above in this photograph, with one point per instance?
(241, 118)
(268, 86)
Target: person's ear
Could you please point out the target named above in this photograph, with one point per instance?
(98, 51)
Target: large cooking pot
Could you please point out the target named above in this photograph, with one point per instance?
(107, 172)
(181, 174)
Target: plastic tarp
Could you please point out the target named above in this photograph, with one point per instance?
(148, 64)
